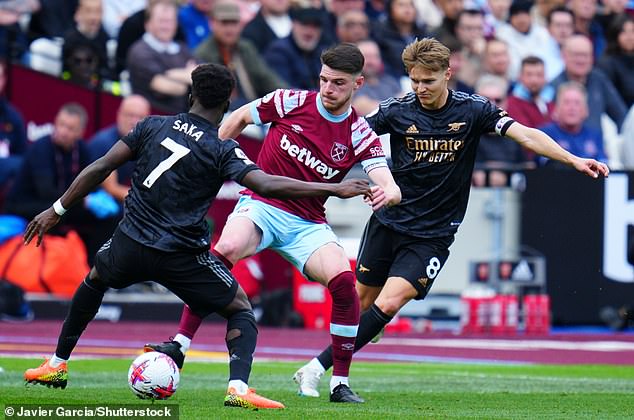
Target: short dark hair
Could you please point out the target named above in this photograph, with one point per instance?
(345, 57)
(212, 84)
(558, 9)
(531, 60)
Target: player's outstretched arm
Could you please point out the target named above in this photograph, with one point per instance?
(233, 125)
(385, 192)
(86, 181)
(543, 144)
(274, 186)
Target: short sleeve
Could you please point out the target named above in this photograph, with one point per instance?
(377, 119)
(493, 119)
(234, 162)
(276, 105)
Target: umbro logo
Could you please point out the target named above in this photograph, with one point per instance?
(455, 126)
(412, 129)
(297, 128)
(347, 346)
(363, 269)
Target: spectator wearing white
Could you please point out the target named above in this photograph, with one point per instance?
(560, 25)
(521, 35)
(115, 12)
(271, 22)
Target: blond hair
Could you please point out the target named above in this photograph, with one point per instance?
(428, 53)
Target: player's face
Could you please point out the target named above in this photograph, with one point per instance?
(336, 88)
(430, 86)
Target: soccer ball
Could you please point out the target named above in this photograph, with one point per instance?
(153, 376)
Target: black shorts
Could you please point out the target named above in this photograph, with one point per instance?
(386, 253)
(198, 279)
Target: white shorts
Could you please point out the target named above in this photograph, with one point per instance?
(292, 237)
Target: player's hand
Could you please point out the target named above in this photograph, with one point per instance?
(592, 167)
(381, 198)
(352, 187)
(40, 224)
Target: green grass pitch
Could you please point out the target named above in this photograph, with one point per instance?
(392, 391)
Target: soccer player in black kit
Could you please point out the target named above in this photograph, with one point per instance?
(163, 237)
(434, 134)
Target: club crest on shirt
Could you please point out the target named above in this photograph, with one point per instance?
(338, 152)
(455, 126)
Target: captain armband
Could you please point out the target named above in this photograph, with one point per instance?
(502, 125)
(370, 164)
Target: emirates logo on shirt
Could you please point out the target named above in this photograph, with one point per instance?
(338, 152)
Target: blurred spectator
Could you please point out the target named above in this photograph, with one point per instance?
(375, 9)
(13, 141)
(353, 26)
(272, 22)
(627, 150)
(89, 30)
(378, 85)
(194, 19)
(131, 110)
(334, 10)
(496, 59)
(50, 165)
(13, 40)
(618, 61)
(541, 9)
(521, 35)
(586, 23)
(53, 19)
(254, 78)
(160, 66)
(560, 25)
(470, 33)
(115, 12)
(296, 58)
(569, 127)
(131, 30)
(496, 14)
(602, 95)
(446, 32)
(80, 63)
(496, 156)
(608, 11)
(396, 32)
(429, 15)
(455, 63)
(531, 101)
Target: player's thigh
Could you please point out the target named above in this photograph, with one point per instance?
(121, 261)
(419, 261)
(239, 239)
(200, 280)
(375, 257)
(367, 294)
(326, 262)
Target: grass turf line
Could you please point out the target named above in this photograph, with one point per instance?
(392, 391)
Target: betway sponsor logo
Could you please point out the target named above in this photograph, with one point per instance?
(305, 156)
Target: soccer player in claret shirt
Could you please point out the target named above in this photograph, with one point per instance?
(434, 134)
(314, 136)
(163, 237)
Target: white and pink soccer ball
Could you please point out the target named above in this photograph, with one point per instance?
(153, 376)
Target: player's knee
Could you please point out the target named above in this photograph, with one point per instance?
(241, 324)
(231, 248)
(95, 282)
(389, 306)
(342, 287)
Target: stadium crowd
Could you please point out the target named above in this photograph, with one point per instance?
(563, 66)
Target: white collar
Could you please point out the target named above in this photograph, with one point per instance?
(160, 46)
